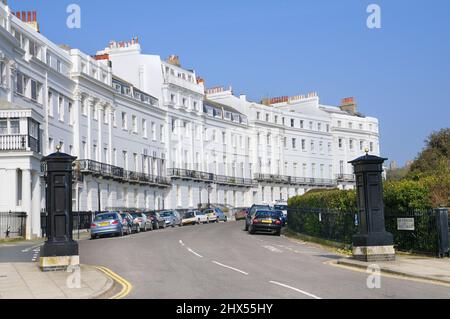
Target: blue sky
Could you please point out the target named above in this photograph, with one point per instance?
(399, 73)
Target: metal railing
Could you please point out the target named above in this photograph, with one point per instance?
(346, 178)
(295, 180)
(118, 173)
(19, 143)
(209, 177)
(12, 225)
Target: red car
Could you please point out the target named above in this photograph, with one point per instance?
(241, 214)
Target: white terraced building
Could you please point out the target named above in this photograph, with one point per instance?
(149, 135)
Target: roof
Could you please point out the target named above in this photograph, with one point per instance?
(227, 108)
(336, 110)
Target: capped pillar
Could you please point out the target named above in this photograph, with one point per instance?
(60, 250)
(373, 242)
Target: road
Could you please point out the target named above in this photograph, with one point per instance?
(221, 261)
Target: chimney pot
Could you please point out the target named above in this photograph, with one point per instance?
(24, 16)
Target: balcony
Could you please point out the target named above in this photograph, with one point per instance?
(290, 180)
(346, 178)
(19, 143)
(185, 174)
(119, 174)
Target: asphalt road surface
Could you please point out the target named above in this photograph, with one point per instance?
(221, 261)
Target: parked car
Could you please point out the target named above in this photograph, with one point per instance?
(241, 214)
(252, 211)
(189, 218)
(172, 218)
(220, 215)
(133, 224)
(143, 221)
(157, 220)
(108, 224)
(211, 216)
(200, 217)
(267, 221)
(282, 207)
(282, 217)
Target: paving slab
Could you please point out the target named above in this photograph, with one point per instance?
(27, 281)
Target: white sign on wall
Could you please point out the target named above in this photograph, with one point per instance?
(405, 224)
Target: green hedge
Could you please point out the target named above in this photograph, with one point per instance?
(331, 214)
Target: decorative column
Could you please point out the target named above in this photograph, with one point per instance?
(36, 206)
(60, 250)
(26, 200)
(372, 243)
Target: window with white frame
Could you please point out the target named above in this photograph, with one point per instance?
(3, 127)
(61, 108)
(134, 123)
(303, 145)
(161, 133)
(154, 131)
(144, 128)
(124, 120)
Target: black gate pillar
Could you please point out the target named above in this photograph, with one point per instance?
(372, 243)
(60, 250)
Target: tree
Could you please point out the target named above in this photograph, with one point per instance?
(435, 158)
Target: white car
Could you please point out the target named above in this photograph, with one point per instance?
(194, 218)
(201, 217)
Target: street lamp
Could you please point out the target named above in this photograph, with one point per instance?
(209, 189)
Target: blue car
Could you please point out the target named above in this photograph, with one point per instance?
(220, 215)
(109, 224)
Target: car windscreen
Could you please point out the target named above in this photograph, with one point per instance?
(136, 215)
(267, 214)
(105, 217)
(280, 207)
(166, 214)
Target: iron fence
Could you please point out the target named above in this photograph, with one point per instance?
(81, 221)
(413, 231)
(12, 225)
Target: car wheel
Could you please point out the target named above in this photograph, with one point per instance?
(138, 229)
(246, 227)
(278, 233)
(145, 227)
(93, 237)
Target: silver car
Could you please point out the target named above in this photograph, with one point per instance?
(109, 224)
(172, 218)
(144, 222)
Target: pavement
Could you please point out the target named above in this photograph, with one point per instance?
(26, 281)
(433, 269)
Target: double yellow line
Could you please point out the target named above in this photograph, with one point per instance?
(126, 286)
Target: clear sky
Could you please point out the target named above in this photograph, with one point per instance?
(399, 73)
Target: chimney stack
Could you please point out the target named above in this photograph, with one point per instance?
(349, 105)
(174, 60)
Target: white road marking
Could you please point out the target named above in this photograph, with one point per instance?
(295, 289)
(182, 244)
(196, 254)
(232, 268)
(273, 249)
(31, 248)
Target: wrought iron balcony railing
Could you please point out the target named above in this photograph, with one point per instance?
(290, 180)
(209, 177)
(118, 173)
(19, 143)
